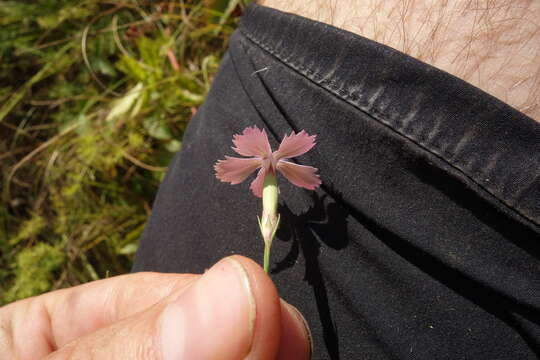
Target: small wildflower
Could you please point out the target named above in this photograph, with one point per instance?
(254, 143)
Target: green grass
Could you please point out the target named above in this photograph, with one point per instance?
(94, 100)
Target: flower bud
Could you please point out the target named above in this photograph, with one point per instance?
(270, 219)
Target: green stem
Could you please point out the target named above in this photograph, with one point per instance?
(266, 257)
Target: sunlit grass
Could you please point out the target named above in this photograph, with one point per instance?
(94, 100)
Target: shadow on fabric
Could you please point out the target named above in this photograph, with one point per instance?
(322, 225)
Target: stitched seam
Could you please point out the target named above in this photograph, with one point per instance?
(376, 115)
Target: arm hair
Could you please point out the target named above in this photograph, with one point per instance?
(492, 44)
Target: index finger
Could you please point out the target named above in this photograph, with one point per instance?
(36, 326)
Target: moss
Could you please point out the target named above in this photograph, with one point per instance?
(89, 124)
(35, 270)
(28, 229)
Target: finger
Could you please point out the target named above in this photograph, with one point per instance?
(296, 342)
(232, 312)
(294, 335)
(34, 327)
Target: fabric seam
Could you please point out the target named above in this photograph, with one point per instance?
(377, 116)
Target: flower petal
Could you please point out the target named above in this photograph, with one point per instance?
(252, 142)
(257, 184)
(299, 175)
(235, 170)
(294, 145)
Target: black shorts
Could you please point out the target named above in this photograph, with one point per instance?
(423, 241)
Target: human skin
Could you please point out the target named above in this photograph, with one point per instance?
(492, 44)
(231, 312)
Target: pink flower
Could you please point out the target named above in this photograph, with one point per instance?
(254, 142)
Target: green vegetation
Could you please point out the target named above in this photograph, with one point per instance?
(95, 96)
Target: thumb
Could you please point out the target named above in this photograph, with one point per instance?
(232, 312)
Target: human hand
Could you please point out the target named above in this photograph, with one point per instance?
(231, 312)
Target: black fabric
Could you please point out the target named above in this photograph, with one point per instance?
(423, 241)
